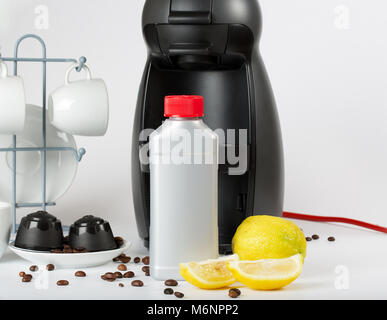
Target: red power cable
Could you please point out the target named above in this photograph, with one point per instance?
(334, 219)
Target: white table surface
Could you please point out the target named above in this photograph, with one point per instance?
(353, 267)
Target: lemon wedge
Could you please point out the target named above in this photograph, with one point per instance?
(209, 274)
(267, 274)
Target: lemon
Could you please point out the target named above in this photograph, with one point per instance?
(267, 274)
(209, 274)
(267, 237)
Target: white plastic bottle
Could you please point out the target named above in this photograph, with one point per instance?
(184, 189)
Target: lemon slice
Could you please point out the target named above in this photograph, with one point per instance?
(267, 274)
(209, 274)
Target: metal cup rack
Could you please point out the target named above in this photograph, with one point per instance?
(78, 154)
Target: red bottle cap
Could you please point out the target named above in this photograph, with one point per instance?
(184, 106)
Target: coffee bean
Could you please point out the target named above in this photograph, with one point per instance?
(119, 241)
(79, 250)
(171, 283)
(315, 237)
(116, 259)
(57, 251)
(145, 260)
(109, 276)
(50, 267)
(34, 268)
(308, 239)
(147, 274)
(80, 274)
(168, 291)
(125, 259)
(121, 285)
(27, 278)
(66, 246)
(122, 267)
(129, 274)
(22, 274)
(179, 295)
(137, 283)
(145, 269)
(234, 293)
(62, 283)
(331, 239)
(118, 275)
(137, 260)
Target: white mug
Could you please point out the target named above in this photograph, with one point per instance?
(5, 226)
(80, 107)
(12, 102)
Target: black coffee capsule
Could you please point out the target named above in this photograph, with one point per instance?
(39, 231)
(92, 233)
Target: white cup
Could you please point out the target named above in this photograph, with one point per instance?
(12, 102)
(5, 226)
(80, 107)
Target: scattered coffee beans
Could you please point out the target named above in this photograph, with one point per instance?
(315, 237)
(62, 283)
(80, 274)
(171, 283)
(145, 269)
(145, 260)
(118, 275)
(22, 274)
(147, 274)
(34, 268)
(122, 267)
(50, 267)
(234, 293)
(121, 285)
(308, 239)
(168, 291)
(129, 274)
(137, 283)
(136, 260)
(331, 239)
(179, 295)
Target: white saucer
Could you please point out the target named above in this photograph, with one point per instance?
(70, 260)
(61, 165)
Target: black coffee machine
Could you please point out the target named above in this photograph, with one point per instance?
(210, 48)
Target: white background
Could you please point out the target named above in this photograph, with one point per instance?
(329, 76)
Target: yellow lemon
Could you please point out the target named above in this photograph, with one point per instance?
(209, 274)
(267, 237)
(267, 274)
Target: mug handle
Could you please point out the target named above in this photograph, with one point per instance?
(75, 65)
(3, 70)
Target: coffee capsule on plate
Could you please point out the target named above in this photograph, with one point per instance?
(39, 231)
(91, 233)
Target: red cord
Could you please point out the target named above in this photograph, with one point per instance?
(334, 219)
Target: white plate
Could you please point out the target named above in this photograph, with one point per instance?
(61, 165)
(70, 260)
